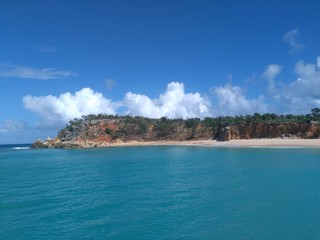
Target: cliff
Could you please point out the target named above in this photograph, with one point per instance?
(102, 130)
(270, 130)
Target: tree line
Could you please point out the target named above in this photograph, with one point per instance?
(164, 126)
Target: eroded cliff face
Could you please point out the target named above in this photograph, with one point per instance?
(269, 130)
(100, 133)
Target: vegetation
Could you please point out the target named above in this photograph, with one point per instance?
(164, 127)
(130, 126)
(108, 131)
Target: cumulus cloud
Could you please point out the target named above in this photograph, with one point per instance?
(292, 38)
(303, 94)
(59, 110)
(173, 103)
(270, 73)
(10, 70)
(232, 101)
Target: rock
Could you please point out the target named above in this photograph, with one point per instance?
(66, 145)
(39, 144)
(228, 133)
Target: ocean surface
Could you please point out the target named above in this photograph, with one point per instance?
(161, 192)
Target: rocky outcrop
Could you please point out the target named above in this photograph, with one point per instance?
(56, 143)
(39, 144)
(103, 132)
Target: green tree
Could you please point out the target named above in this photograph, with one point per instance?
(315, 113)
(191, 122)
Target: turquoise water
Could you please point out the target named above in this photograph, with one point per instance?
(160, 193)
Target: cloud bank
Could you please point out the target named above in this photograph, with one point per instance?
(298, 96)
(173, 103)
(8, 70)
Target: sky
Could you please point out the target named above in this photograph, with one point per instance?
(63, 59)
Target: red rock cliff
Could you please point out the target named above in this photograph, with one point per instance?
(269, 130)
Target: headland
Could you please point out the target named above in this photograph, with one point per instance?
(268, 130)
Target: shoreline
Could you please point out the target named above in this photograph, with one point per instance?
(246, 143)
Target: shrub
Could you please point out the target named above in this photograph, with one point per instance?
(108, 131)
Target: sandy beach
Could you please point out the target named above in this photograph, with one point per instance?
(274, 143)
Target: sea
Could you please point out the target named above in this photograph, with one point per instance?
(159, 192)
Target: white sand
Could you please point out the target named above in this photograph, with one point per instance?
(276, 142)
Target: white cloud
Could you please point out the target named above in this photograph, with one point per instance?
(270, 73)
(55, 111)
(232, 101)
(292, 38)
(173, 103)
(10, 70)
(303, 94)
(12, 126)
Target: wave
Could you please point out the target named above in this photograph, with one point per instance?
(21, 148)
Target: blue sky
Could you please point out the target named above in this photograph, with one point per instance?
(177, 58)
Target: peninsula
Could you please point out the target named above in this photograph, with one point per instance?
(267, 130)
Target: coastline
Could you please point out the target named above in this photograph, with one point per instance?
(263, 143)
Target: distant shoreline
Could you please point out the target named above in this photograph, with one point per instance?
(268, 130)
(263, 143)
